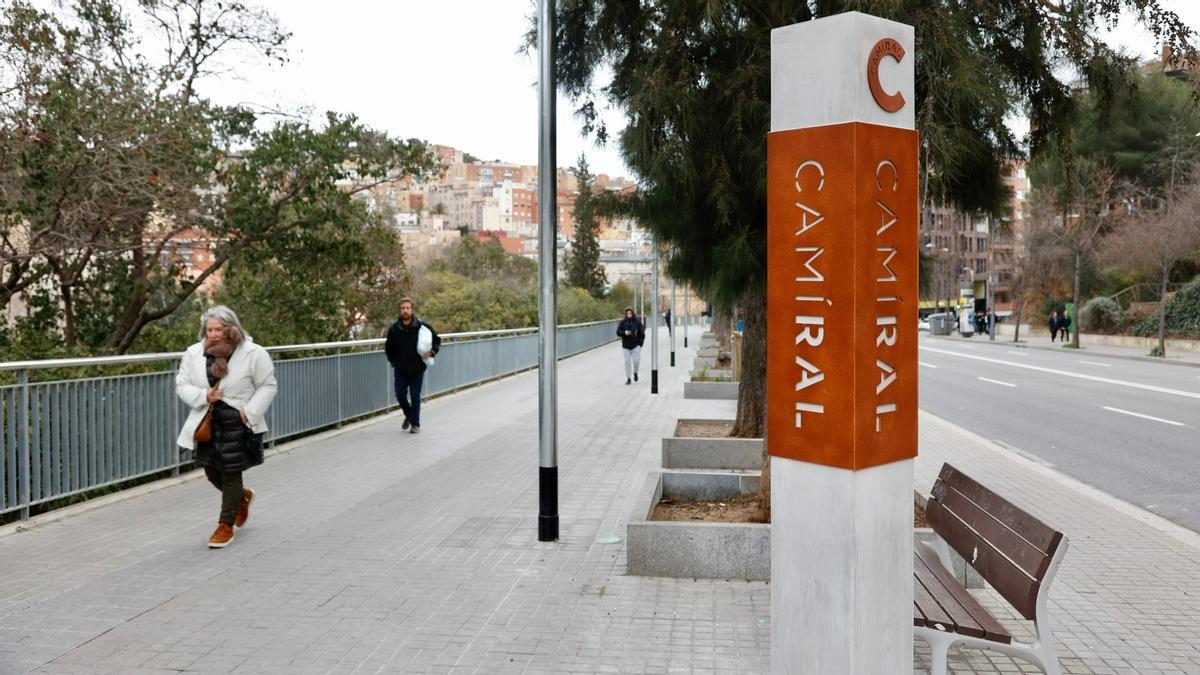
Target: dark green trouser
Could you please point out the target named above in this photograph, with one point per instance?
(230, 485)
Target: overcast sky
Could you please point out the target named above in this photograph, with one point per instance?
(446, 71)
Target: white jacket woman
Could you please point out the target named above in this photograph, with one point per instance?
(230, 378)
(249, 387)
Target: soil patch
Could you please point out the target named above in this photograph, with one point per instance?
(740, 509)
(703, 428)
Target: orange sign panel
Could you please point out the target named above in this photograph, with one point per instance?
(842, 295)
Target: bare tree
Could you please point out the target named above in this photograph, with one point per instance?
(1155, 242)
(1088, 213)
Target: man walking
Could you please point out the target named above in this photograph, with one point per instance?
(632, 335)
(409, 364)
(1064, 325)
(1053, 326)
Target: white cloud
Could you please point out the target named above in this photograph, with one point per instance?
(448, 72)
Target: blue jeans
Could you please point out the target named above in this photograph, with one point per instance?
(408, 388)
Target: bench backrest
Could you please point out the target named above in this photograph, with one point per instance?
(1009, 548)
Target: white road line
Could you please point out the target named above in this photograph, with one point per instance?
(927, 365)
(1066, 373)
(1007, 384)
(1013, 351)
(1148, 417)
(1097, 363)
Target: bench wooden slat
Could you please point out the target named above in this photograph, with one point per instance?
(932, 612)
(918, 616)
(1042, 536)
(1004, 575)
(954, 616)
(1027, 556)
(957, 600)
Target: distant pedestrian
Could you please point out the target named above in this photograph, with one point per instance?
(411, 346)
(1064, 325)
(1053, 325)
(667, 317)
(227, 382)
(633, 335)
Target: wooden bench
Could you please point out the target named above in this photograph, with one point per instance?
(1014, 552)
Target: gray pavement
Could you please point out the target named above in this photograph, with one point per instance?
(1127, 427)
(375, 551)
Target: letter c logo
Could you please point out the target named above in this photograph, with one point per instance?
(885, 47)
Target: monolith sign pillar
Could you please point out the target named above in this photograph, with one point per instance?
(842, 345)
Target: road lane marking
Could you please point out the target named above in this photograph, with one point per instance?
(1097, 363)
(1007, 384)
(927, 365)
(1013, 351)
(1148, 417)
(1067, 373)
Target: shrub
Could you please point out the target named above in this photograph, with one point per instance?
(1100, 315)
(1183, 314)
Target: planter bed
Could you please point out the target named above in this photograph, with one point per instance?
(711, 390)
(696, 451)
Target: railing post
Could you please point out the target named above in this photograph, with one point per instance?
(272, 430)
(174, 403)
(26, 437)
(339, 387)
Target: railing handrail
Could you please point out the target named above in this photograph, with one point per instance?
(1171, 285)
(83, 362)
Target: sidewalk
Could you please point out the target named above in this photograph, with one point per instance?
(1126, 599)
(371, 550)
(1177, 357)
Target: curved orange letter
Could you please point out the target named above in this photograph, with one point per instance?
(885, 47)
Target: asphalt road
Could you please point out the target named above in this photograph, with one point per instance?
(1126, 427)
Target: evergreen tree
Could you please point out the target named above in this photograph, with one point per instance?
(693, 79)
(583, 265)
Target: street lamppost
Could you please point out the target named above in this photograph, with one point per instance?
(548, 280)
(671, 324)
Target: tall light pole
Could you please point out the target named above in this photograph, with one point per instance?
(671, 325)
(687, 316)
(654, 326)
(548, 276)
(991, 295)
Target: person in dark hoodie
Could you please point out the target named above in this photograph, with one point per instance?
(632, 334)
(408, 366)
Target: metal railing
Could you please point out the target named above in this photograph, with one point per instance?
(1140, 293)
(62, 438)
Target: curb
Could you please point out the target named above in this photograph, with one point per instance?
(1081, 351)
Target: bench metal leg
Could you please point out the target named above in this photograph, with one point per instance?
(1041, 654)
(939, 649)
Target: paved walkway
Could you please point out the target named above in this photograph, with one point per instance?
(375, 551)
(1042, 341)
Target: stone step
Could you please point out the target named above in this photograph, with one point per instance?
(725, 374)
(705, 362)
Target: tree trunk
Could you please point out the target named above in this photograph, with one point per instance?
(721, 326)
(1162, 314)
(1017, 327)
(1075, 300)
(68, 305)
(752, 389)
(751, 409)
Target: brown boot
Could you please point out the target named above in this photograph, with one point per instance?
(244, 509)
(222, 537)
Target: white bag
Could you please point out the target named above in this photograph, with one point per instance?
(425, 343)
